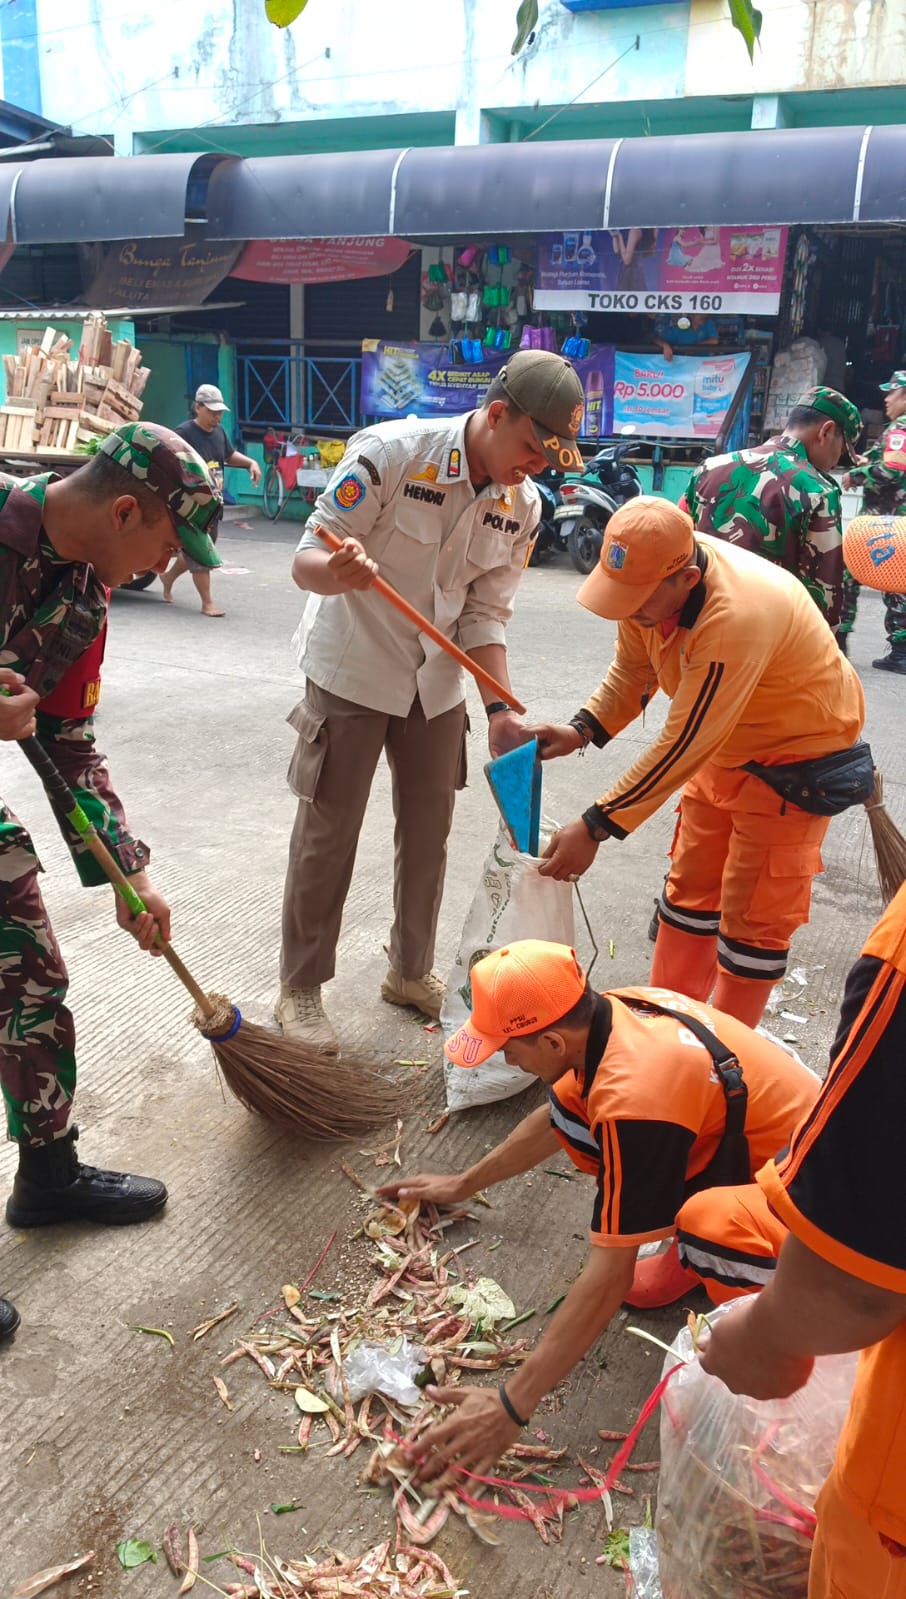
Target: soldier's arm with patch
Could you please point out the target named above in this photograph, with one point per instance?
(70, 743)
(821, 555)
(708, 703)
(349, 507)
(878, 471)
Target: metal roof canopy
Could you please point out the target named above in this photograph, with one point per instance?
(819, 176)
(347, 194)
(101, 198)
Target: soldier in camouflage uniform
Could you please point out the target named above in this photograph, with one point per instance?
(884, 485)
(779, 499)
(63, 543)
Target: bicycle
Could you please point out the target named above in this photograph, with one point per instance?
(281, 478)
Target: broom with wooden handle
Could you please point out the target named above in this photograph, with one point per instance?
(889, 843)
(393, 596)
(278, 1077)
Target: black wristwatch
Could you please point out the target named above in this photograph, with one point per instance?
(494, 707)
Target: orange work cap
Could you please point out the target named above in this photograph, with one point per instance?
(646, 540)
(874, 549)
(522, 989)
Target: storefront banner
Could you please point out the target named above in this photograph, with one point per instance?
(662, 271)
(155, 272)
(423, 379)
(319, 260)
(688, 397)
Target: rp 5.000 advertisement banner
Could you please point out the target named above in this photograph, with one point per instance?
(729, 271)
(688, 397)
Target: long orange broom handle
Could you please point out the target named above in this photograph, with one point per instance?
(424, 626)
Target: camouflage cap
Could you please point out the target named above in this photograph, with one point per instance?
(897, 381)
(830, 402)
(164, 462)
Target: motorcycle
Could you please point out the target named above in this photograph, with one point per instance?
(548, 537)
(589, 501)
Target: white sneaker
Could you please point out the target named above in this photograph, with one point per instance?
(426, 993)
(302, 1017)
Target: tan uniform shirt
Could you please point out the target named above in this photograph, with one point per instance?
(403, 490)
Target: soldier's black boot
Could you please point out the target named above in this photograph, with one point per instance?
(894, 660)
(9, 1319)
(52, 1185)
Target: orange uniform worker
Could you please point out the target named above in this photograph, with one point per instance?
(647, 1096)
(755, 676)
(840, 1281)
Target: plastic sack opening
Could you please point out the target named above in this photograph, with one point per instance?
(512, 901)
(739, 1479)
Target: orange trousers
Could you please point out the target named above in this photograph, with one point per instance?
(731, 1239)
(740, 884)
(849, 1561)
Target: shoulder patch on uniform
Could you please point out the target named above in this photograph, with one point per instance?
(349, 492)
(454, 464)
(371, 469)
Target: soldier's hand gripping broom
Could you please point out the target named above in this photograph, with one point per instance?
(281, 1079)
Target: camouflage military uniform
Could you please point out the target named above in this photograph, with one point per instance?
(38, 594)
(884, 494)
(773, 501)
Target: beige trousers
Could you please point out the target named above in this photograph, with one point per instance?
(331, 771)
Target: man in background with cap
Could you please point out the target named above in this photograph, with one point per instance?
(757, 684)
(659, 1100)
(780, 501)
(207, 436)
(64, 543)
(881, 473)
(447, 511)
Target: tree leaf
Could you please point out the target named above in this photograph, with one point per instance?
(310, 1404)
(132, 1552)
(282, 12)
(526, 22)
(747, 21)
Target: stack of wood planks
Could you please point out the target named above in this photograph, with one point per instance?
(57, 401)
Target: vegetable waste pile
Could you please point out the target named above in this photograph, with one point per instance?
(355, 1370)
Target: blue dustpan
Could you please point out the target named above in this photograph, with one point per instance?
(515, 782)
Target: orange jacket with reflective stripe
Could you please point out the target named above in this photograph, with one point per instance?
(754, 673)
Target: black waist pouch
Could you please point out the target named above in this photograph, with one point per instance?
(825, 786)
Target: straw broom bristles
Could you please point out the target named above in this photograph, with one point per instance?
(889, 843)
(287, 1081)
(280, 1078)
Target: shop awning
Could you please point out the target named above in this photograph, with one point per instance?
(819, 176)
(102, 197)
(338, 195)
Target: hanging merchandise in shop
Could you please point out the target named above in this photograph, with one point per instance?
(734, 271)
(319, 260)
(644, 394)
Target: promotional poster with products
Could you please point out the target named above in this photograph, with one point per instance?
(688, 397)
(660, 271)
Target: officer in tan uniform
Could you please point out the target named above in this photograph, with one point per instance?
(447, 512)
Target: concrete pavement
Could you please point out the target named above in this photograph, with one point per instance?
(110, 1434)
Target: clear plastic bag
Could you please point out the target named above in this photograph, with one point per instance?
(388, 1369)
(739, 1479)
(512, 901)
(643, 1564)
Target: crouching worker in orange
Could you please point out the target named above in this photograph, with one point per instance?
(656, 1098)
(761, 737)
